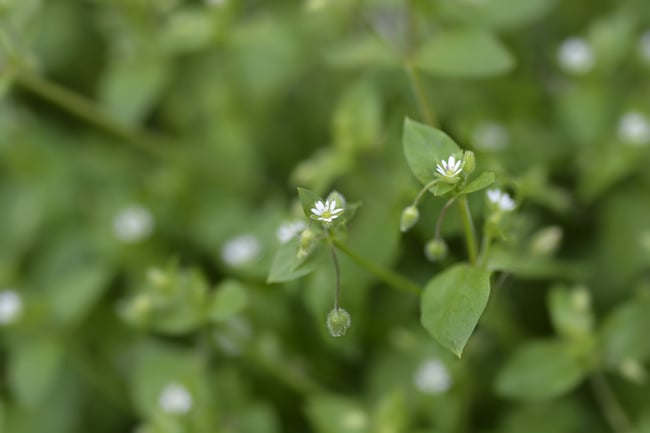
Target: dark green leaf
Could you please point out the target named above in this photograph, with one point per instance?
(625, 332)
(228, 300)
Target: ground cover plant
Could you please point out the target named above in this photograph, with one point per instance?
(382, 216)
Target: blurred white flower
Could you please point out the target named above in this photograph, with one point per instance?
(501, 199)
(175, 399)
(491, 136)
(11, 306)
(432, 377)
(326, 212)
(644, 46)
(450, 168)
(576, 56)
(634, 129)
(289, 230)
(133, 224)
(241, 250)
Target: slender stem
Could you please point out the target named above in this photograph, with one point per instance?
(389, 277)
(337, 296)
(468, 224)
(87, 110)
(441, 217)
(486, 244)
(423, 191)
(612, 409)
(420, 95)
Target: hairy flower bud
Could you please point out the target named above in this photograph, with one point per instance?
(410, 216)
(435, 250)
(469, 162)
(338, 322)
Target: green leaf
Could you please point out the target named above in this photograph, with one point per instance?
(570, 311)
(484, 180)
(452, 303)
(333, 414)
(74, 294)
(287, 266)
(498, 14)
(307, 200)
(464, 54)
(424, 147)
(229, 300)
(34, 367)
(542, 369)
(625, 332)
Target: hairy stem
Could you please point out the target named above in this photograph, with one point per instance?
(468, 225)
(389, 277)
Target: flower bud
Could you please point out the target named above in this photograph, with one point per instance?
(337, 198)
(435, 250)
(338, 322)
(469, 162)
(410, 216)
(306, 239)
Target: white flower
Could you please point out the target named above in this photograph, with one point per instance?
(576, 56)
(644, 46)
(241, 250)
(289, 230)
(501, 199)
(133, 223)
(491, 136)
(450, 168)
(326, 212)
(11, 307)
(175, 399)
(634, 129)
(432, 377)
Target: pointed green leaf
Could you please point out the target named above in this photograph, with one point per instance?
(542, 369)
(307, 200)
(424, 147)
(483, 181)
(452, 303)
(287, 266)
(228, 300)
(464, 54)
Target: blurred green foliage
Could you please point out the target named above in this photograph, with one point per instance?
(149, 153)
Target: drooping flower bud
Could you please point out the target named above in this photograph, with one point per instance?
(337, 198)
(338, 322)
(435, 250)
(306, 239)
(410, 216)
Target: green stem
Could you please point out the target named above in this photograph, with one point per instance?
(420, 95)
(337, 269)
(486, 244)
(612, 409)
(424, 189)
(441, 217)
(468, 224)
(87, 110)
(389, 277)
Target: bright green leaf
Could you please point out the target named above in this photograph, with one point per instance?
(34, 368)
(464, 54)
(543, 369)
(484, 180)
(425, 147)
(625, 332)
(307, 200)
(228, 300)
(452, 303)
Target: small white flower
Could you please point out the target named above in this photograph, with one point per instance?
(501, 199)
(432, 377)
(576, 56)
(241, 250)
(175, 399)
(634, 129)
(450, 168)
(326, 212)
(133, 223)
(11, 307)
(491, 136)
(289, 230)
(644, 46)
